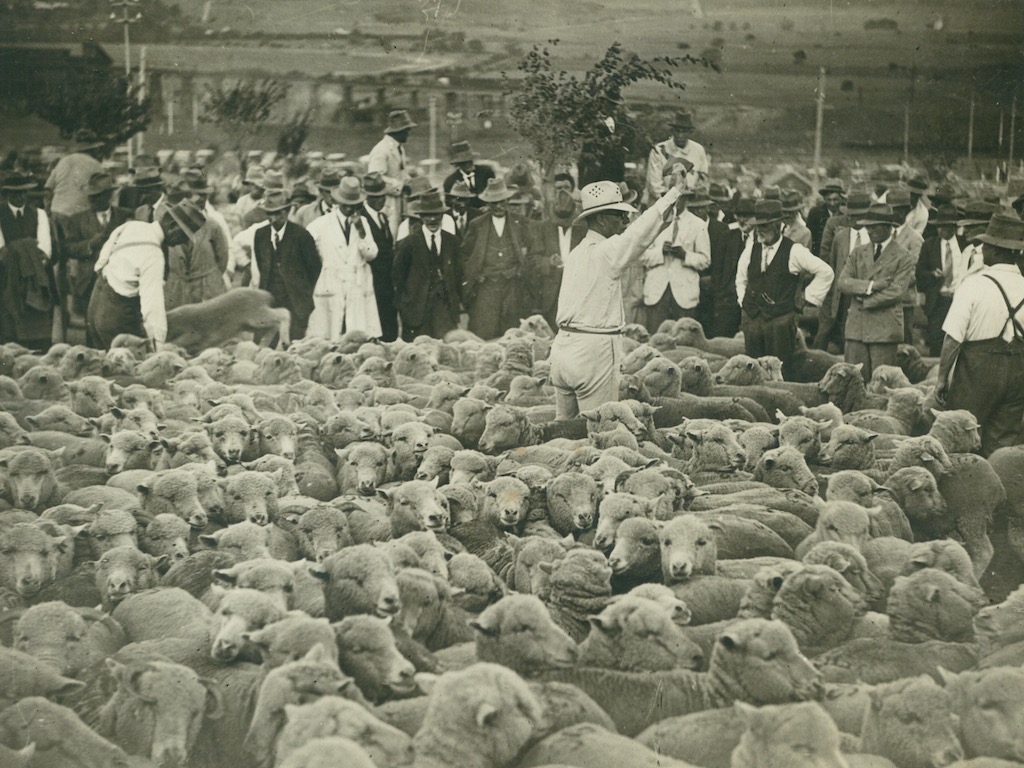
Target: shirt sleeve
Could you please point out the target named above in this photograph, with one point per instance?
(803, 262)
(959, 315)
(741, 271)
(655, 165)
(151, 298)
(43, 238)
(698, 255)
(619, 250)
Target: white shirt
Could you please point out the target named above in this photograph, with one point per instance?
(961, 263)
(978, 311)
(42, 230)
(240, 249)
(801, 262)
(564, 241)
(132, 263)
(429, 237)
(591, 294)
(665, 151)
(858, 237)
(499, 224)
(447, 225)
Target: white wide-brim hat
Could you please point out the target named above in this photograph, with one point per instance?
(602, 196)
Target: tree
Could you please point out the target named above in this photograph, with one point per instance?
(294, 134)
(243, 108)
(558, 112)
(105, 107)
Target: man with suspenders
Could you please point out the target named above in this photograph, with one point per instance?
(982, 364)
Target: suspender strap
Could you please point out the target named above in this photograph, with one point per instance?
(1018, 329)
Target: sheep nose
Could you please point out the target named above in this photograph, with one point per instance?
(290, 455)
(422, 476)
(232, 454)
(680, 569)
(697, 661)
(614, 562)
(28, 502)
(197, 520)
(118, 586)
(113, 469)
(260, 518)
(225, 650)
(434, 520)
(947, 756)
(323, 554)
(28, 580)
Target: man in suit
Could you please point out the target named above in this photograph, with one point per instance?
(552, 241)
(943, 264)
(426, 274)
(832, 193)
(474, 176)
(148, 186)
(899, 200)
(461, 212)
(80, 237)
(875, 278)
(326, 184)
(285, 260)
(841, 241)
(493, 261)
(388, 159)
(793, 225)
(679, 146)
(727, 242)
(382, 267)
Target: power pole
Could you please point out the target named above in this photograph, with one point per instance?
(906, 133)
(970, 131)
(819, 122)
(1013, 125)
(127, 19)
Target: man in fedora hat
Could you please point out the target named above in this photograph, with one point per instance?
(470, 173)
(200, 190)
(128, 296)
(898, 198)
(26, 280)
(981, 368)
(148, 185)
(493, 261)
(67, 182)
(841, 240)
(80, 237)
(769, 279)
(942, 265)
(343, 298)
(285, 261)
(607, 138)
(252, 190)
(426, 274)
(727, 242)
(273, 178)
(413, 190)
(382, 267)
(832, 193)
(679, 146)
(329, 180)
(875, 277)
(919, 203)
(587, 352)
(195, 270)
(389, 160)
(459, 197)
(673, 263)
(793, 225)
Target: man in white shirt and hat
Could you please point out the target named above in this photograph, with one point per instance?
(252, 186)
(680, 146)
(587, 351)
(389, 160)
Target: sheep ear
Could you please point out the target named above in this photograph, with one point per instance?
(869, 438)
(730, 641)
(426, 681)
(486, 715)
(916, 485)
(948, 678)
(695, 435)
(769, 463)
(858, 367)
(317, 571)
(546, 567)
(748, 714)
(603, 625)
(933, 594)
(591, 415)
(780, 416)
(225, 578)
(257, 638)
(317, 654)
(483, 628)
(934, 412)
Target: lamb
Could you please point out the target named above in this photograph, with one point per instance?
(911, 722)
(849, 447)
(123, 571)
(923, 451)
(427, 613)
(754, 660)
(990, 706)
(319, 532)
(436, 463)
(579, 586)
(886, 517)
(527, 576)
(785, 468)
(826, 412)
(292, 584)
(932, 605)
(958, 431)
(945, 555)
(368, 654)
(841, 521)
(508, 427)
(634, 634)
(917, 493)
(847, 561)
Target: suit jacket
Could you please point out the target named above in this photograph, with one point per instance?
(415, 279)
(877, 318)
(726, 248)
(681, 274)
(929, 260)
(545, 276)
(80, 236)
(473, 248)
(308, 213)
(837, 257)
(382, 266)
(481, 173)
(299, 262)
(828, 235)
(817, 219)
(912, 241)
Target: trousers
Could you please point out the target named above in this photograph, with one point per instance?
(988, 381)
(584, 371)
(666, 309)
(870, 354)
(775, 336)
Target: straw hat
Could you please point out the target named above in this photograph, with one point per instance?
(496, 191)
(348, 192)
(602, 196)
(461, 189)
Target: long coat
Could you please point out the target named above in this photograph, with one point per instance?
(415, 281)
(389, 160)
(346, 281)
(196, 269)
(877, 318)
(300, 267)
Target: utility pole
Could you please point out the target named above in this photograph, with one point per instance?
(433, 127)
(906, 133)
(1013, 125)
(127, 19)
(819, 122)
(142, 89)
(970, 131)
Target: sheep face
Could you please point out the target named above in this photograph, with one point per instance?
(367, 652)
(359, 579)
(56, 635)
(637, 550)
(932, 605)
(818, 605)
(637, 635)
(792, 735)
(761, 659)
(518, 632)
(849, 447)
(991, 709)
(786, 468)
(240, 611)
(688, 548)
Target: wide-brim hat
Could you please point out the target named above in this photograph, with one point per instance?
(431, 202)
(461, 152)
(374, 185)
(99, 183)
(461, 189)
(878, 213)
(898, 197)
(418, 186)
(496, 191)
(87, 140)
(832, 185)
(630, 195)
(683, 120)
(602, 196)
(745, 207)
(254, 175)
(1004, 231)
(18, 182)
(792, 201)
(329, 178)
(945, 214)
(521, 196)
(275, 200)
(273, 179)
(944, 193)
(977, 212)
(767, 212)
(187, 216)
(348, 192)
(857, 204)
(303, 192)
(771, 192)
(918, 185)
(197, 181)
(399, 120)
(700, 199)
(719, 193)
(147, 177)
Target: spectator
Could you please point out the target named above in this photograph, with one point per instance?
(67, 183)
(461, 212)
(389, 160)
(727, 242)
(553, 239)
(769, 278)
(875, 277)
(842, 241)
(474, 176)
(26, 281)
(148, 185)
(252, 191)
(899, 200)
(793, 225)
(195, 268)
(380, 229)
(677, 147)
(273, 179)
(919, 204)
(832, 194)
(329, 180)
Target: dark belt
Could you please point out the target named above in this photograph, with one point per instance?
(602, 332)
(997, 346)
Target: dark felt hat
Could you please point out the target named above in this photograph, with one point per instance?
(1004, 231)
(99, 183)
(18, 181)
(767, 212)
(857, 204)
(147, 177)
(791, 200)
(719, 193)
(431, 202)
(945, 214)
(832, 185)
(461, 152)
(977, 212)
(399, 120)
(683, 120)
(918, 185)
(878, 213)
(745, 207)
(374, 184)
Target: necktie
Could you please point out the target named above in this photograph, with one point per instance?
(860, 239)
(19, 215)
(878, 251)
(947, 265)
(433, 246)
(471, 181)
(348, 231)
(765, 253)
(275, 238)
(401, 157)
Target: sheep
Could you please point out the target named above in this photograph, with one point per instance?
(572, 497)
(923, 451)
(885, 377)
(847, 561)
(973, 492)
(635, 635)
(826, 412)
(878, 659)
(332, 716)
(755, 440)
(161, 613)
(508, 427)
(579, 585)
(917, 369)
(66, 640)
(990, 706)
(358, 579)
(613, 510)
(527, 576)
(246, 540)
(431, 553)
(886, 517)
(328, 752)
(480, 717)
(839, 521)
(636, 556)
(912, 723)
(754, 660)
(368, 654)
(58, 735)
(590, 745)
(467, 465)
(917, 493)
(945, 555)
(1000, 631)
(932, 605)
(427, 613)
(844, 386)
(819, 606)
(958, 431)
(801, 433)
(849, 447)
(291, 638)
(241, 611)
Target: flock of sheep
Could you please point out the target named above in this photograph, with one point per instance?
(362, 554)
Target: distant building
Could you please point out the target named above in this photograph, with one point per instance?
(29, 69)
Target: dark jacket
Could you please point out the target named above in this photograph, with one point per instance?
(726, 249)
(929, 260)
(383, 280)
(817, 217)
(472, 252)
(300, 266)
(416, 281)
(481, 173)
(544, 277)
(80, 236)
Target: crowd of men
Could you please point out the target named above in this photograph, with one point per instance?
(378, 248)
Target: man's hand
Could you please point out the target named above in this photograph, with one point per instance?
(667, 250)
(879, 285)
